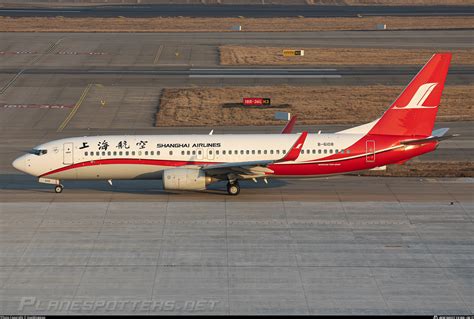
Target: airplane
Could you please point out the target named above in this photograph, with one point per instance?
(192, 162)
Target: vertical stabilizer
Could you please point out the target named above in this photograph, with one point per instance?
(414, 111)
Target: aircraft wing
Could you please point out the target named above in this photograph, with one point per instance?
(254, 169)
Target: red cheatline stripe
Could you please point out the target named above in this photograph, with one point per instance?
(135, 161)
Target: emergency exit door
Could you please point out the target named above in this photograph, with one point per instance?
(68, 153)
(370, 151)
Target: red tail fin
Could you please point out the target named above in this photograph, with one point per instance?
(414, 111)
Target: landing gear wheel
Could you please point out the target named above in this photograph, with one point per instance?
(58, 188)
(233, 188)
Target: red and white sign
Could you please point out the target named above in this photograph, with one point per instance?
(255, 101)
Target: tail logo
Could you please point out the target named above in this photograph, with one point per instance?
(419, 98)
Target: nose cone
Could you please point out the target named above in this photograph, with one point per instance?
(20, 163)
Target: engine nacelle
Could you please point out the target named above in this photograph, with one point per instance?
(185, 179)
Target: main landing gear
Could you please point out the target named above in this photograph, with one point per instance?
(233, 188)
(58, 188)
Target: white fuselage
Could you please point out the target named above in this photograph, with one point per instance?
(146, 156)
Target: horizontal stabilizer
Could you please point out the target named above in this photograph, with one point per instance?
(436, 135)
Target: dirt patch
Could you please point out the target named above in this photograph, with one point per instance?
(426, 169)
(186, 24)
(252, 55)
(313, 105)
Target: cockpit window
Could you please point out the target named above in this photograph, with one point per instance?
(38, 152)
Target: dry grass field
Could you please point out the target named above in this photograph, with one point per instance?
(252, 55)
(313, 105)
(185, 24)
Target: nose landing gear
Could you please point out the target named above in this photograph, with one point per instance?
(58, 187)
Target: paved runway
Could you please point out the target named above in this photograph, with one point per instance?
(377, 245)
(251, 11)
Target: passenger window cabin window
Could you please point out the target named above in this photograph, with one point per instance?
(120, 153)
(242, 152)
(97, 153)
(278, 151)
(194, 152)
(210, 151)
(253, 151)
(182, 152)
(103, 153)
(109, 153)
(217, 152)
(314, 151)
(325, 151)
(133, 153)
(127, 153)
(247, 152)
(319, 151)
(330, 151)
(188, 152)
(223, 152)
(86, 153)
(152, 153)
(271, 151)
(171, 152)
(199, 152)
(146, 153)
(259, 152)
(284, 151)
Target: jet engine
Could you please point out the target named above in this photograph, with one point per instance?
(185, 179)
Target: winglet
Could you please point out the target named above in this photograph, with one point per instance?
(295, 150)
(289, 126)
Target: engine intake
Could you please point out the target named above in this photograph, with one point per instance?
(185, 179)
